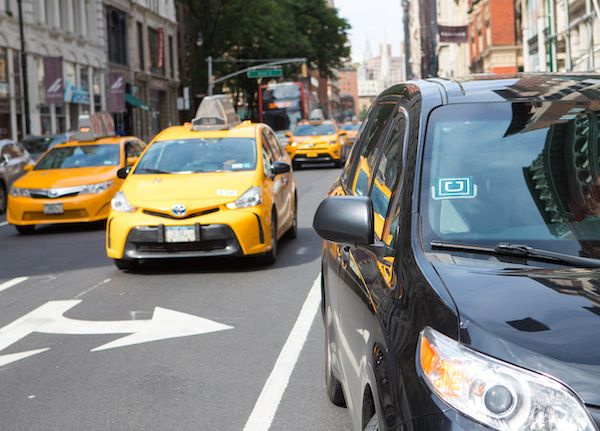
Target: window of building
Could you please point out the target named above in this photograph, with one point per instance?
(171, 63)
(140, 39)
(157, 51)
(117, 36)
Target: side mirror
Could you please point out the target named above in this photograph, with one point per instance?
(28, 167)
(348, 220)
(123, 172)
(343, 132)
(280, 168)
(288, 134)
(131, 161)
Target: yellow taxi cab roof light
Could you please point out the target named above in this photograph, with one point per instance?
(215, 113)
(94, 126)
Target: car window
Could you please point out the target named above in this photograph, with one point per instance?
(267, 153)
(315, 130)
(80, 157)
(358, 177)
(272, 143)
(5, 150)
(132, 149)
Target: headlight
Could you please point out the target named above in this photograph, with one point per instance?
(333, 142)
(496, 393)
(19, 193)
(251, 198)
(293, 144)
(92, 189)
(121, 204)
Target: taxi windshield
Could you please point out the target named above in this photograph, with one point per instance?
(80, 156)
(314, 130)
(199, 155)
(523, 173)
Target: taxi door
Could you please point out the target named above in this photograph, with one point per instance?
(281, 183)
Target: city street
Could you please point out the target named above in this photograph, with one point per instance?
(152, 379)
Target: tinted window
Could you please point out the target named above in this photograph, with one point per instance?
(83, 156)
(199, 155)
(520, 173)
(314, 130)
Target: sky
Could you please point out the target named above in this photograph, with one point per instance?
(377, 21)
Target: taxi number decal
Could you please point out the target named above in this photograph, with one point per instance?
(229, 193)
(454, 188)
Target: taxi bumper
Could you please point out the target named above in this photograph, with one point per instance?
(223, 233)
(23, 211)
(316, 154)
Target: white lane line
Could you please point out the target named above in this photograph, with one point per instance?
(264, 410)
(10, 283)
(85, 292)
(4, 223)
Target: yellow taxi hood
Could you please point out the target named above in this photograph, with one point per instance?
(214, 188)
(320, 138)
(54, 178)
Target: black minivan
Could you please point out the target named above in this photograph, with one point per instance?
(461, 267)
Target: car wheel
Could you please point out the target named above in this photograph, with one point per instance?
(25, 230)
(270, 257)
(338, 163)
(292, 233)
(333, 387)
(373, 424)
(3, 198)
(126, 265)
(296, 165)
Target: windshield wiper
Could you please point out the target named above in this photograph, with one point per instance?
(150, 171)
(520, 251)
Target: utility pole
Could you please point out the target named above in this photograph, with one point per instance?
(24, 71)
(210, 83)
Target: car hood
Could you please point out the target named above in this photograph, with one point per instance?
(546, 320)
(314, 139)
(213, 188)
(55, 178)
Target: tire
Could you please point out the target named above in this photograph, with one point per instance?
(333, 387)
(373, 424)
(338, 163)
(296, 166)
(3, 198)
(270, 257)
(25, 230)
(292, 232)
(126, 265)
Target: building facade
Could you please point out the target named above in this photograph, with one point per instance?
(347, 78)
(72, 30)
(495, 36)
(452, 48)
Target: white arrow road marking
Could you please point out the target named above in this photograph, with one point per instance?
(10, 283)
(4, 223)
(49, 319)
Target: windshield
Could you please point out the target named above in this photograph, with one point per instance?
(314, 130)
(83, 156)
(199, 155)
(351, 126)
(523, 173)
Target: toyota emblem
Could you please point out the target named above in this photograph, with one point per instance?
(178, 210)
(52, 193)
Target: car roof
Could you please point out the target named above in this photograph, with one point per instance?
(245, 129)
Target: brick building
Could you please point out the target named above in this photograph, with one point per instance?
(494, 36)
(347, 81)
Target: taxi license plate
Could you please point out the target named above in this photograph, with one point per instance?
(312, 154)
(54, 209)
(180, 234)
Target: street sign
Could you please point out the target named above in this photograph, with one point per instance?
(49, 319)
(265, 73)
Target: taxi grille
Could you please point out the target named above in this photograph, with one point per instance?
(207, 245)
(172, 217)
(69, 214)
(43, 195)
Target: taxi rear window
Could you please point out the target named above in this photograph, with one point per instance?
(199, 155)
(80, 156)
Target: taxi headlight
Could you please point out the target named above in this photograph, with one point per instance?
(293, 144)
(251, 198)
(496, 393)
(19, 192)
(120, 204)
(92, 189)
(333, 142)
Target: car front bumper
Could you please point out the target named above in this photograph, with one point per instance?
(318, 154)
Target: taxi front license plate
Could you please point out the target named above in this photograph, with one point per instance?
(54, 209)
(180, 234)
(312, 154)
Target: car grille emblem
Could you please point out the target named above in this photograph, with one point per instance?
(52, 193)
(178, 210)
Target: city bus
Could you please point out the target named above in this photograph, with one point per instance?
(282, 105)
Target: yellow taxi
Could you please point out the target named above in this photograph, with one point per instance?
(316, 141)
(213, 187)
(75, 181)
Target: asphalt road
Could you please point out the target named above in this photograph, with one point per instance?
(207, 381)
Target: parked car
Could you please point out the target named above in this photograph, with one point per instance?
(461, 268)
(13, 159)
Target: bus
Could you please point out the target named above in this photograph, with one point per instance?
(282, 105)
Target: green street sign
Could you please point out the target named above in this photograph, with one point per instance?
(265, 73)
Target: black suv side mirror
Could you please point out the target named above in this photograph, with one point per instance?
(348, 220)
(280, 168)
(123, 172)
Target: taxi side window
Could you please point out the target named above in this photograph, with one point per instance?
(267, 153)
(133, 149)
(274, 144)
(359, 177)
(5, 152)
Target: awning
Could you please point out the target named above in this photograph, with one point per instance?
(135, 102)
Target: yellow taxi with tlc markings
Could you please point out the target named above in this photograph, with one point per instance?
(75, 181)
(316, 141)
(213, 187)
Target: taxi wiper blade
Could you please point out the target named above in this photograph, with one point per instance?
(151, 171)
(520, 251)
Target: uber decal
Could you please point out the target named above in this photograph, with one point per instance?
(454, 188)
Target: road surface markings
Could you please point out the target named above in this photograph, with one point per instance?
(302, 250)
(10, 283)
(85, 292)
(49, 319)
(3, 223)
(268, 401)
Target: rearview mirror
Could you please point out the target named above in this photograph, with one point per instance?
(348, 220)
(280, 168)
(28, 167)
(123, 172)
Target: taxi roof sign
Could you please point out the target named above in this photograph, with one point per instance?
(94, 126)
(215, 113)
